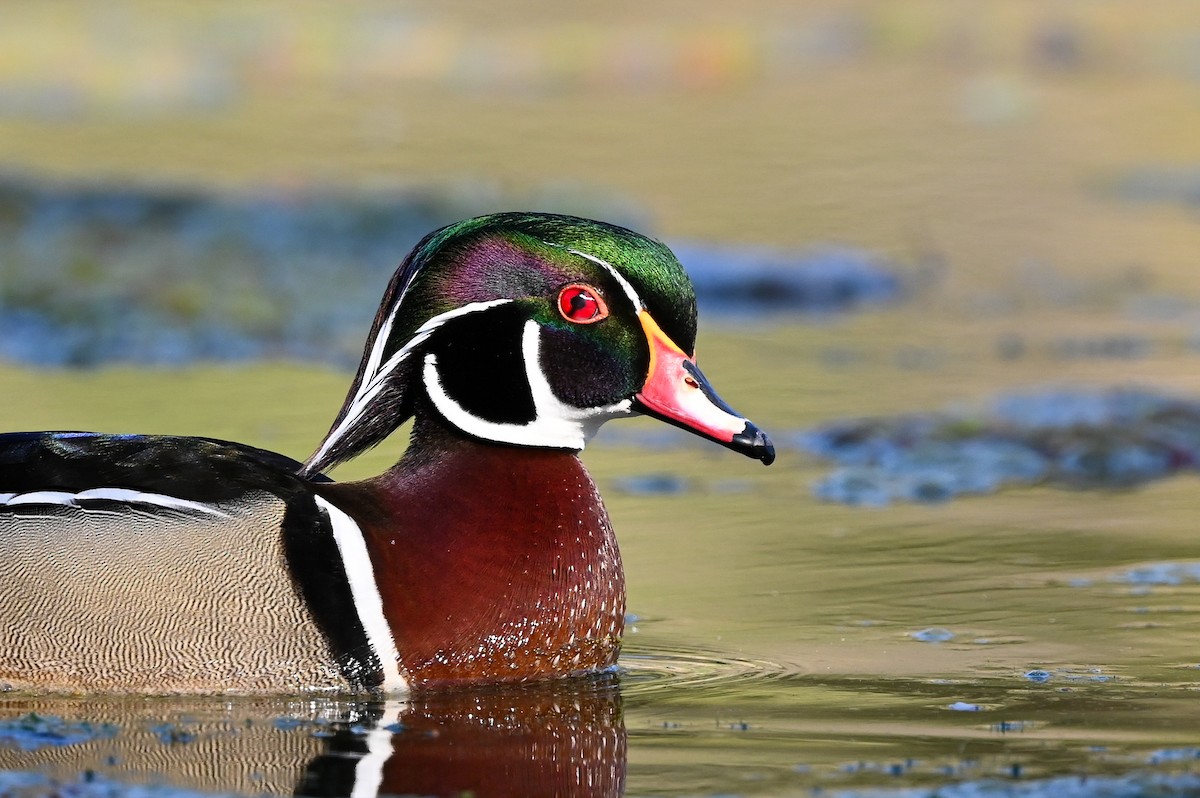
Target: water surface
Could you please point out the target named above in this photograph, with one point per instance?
(777, 644)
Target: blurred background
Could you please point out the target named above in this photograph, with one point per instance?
(1048, 146)
(1012, 188)
(942, 249)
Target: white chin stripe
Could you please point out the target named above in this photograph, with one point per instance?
(120, 495)
(367, 601)
(556, 425)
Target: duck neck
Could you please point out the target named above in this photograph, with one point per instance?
(494, 561)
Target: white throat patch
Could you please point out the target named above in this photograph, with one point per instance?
(556, 425)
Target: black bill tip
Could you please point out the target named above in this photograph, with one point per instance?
(753, 442)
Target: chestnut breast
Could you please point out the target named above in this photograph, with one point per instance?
(492, 562)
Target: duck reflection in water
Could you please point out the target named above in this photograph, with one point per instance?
(556, 737)
(552, 739)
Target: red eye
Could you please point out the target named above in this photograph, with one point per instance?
(581, 304)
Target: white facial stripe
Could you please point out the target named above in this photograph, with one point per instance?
(377, 346)
(556, 424)
(375, 375)
(124, 495)
(638, 304)
(372, 380)
(365, 591)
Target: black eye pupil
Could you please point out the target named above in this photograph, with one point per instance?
(579, 304)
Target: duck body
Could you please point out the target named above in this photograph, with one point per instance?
(500, 563)
(169, 564)
(140, 563)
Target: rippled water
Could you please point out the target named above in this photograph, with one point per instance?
(778, 644)
(669, 723)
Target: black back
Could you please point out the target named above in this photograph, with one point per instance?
(207, 471)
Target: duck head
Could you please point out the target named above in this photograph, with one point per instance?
(533, 329)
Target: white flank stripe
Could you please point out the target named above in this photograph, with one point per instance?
(42, 497)
(124, 495)
(638, 304)
(158, 499)
(365, 592)
(556, 424)
(375, 375)
(368, 773)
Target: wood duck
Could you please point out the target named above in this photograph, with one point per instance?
(172, 564)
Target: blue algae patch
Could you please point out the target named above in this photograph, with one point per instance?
(1160, 574)
(821, 281)
(172, 734)
(21, 784)
(1126, 785)
(1178, 185)
(33, 731)
(315, 727)
(96, 273)
(1093, 675)
(1173, 755)
(934, 634)
(1108, 347)
(1108, 439)
(660, 437)
(289, 723)
(674, 485)
(652, 485)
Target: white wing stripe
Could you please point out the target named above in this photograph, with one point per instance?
(42, 497)
(124, 495)
(367, 601)
(137, 497)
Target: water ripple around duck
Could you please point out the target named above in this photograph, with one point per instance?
(646, 674)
